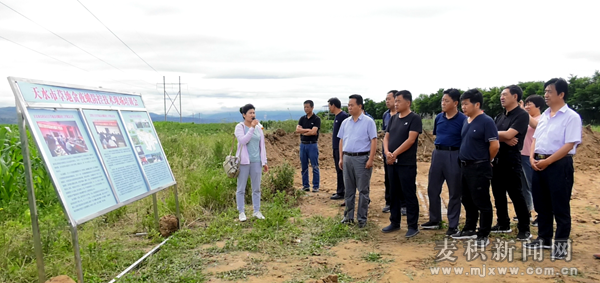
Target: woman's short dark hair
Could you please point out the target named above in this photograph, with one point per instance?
(537, 100)
(473, 95)
(246, 108)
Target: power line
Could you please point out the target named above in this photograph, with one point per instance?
(38, 52)
(57, 35)
(60, 37)
(117, 36)
(54, 58)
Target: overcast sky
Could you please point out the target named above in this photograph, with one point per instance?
(276, 54)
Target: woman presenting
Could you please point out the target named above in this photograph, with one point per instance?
(253, 159)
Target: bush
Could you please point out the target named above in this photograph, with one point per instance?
(279, 179)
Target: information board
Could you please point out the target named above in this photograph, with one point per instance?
(99, 146)
(148, 149)
(70, 157)
(117, 153)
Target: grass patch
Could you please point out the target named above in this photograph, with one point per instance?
(372, 257)
(109, 245)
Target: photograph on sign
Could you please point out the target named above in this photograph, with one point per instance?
(119, 157)
(147, 148)
(62, 137)
(110, 134)
(75, 167)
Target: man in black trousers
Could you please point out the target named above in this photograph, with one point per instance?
(335, 107)
(478, 147)
(512, 127)
(400, 147)
(390, 103)
(555, 140)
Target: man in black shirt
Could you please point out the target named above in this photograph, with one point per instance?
(308, 128)
(478, 147)
(335, 107)
(512, 128)
(400, 147)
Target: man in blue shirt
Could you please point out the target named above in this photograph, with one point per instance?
(335, 107)
(447, 130)
(358, 144)
(479, 145)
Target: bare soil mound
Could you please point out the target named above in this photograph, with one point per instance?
(284, 147)
(168, 225)
(588, 152)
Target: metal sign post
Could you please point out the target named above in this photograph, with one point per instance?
(51, 110)
(37, 242)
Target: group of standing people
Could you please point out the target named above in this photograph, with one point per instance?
(523, 152)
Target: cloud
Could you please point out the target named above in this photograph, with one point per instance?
(585, 55)
(429, 11)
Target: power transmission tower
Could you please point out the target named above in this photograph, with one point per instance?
(174, 100)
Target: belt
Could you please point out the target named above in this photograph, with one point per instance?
(471, 162)
(538, 156)
(308, 142)
(356, 153)
(451, 148)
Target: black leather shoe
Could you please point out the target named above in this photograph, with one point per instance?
(362, 225)
(336, 197)
(347, 221)
(390, 228)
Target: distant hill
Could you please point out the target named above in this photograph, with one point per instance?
(8, 115)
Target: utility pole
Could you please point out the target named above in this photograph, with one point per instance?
(173, 101)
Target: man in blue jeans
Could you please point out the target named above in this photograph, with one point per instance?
(308, 128)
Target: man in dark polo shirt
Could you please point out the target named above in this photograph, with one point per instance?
(391, 106)
(479, 145)
(400, 147)
(308, 128)
(555, 141)
(335, 107)
(447, 130)
(512, 127)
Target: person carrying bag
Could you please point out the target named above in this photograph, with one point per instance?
(232, 163)
(252, 159)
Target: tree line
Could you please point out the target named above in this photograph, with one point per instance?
(584, 97)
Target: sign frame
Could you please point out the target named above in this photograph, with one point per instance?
(25, 120)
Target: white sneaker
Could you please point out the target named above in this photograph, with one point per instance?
(242, 217)
(258, 215)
